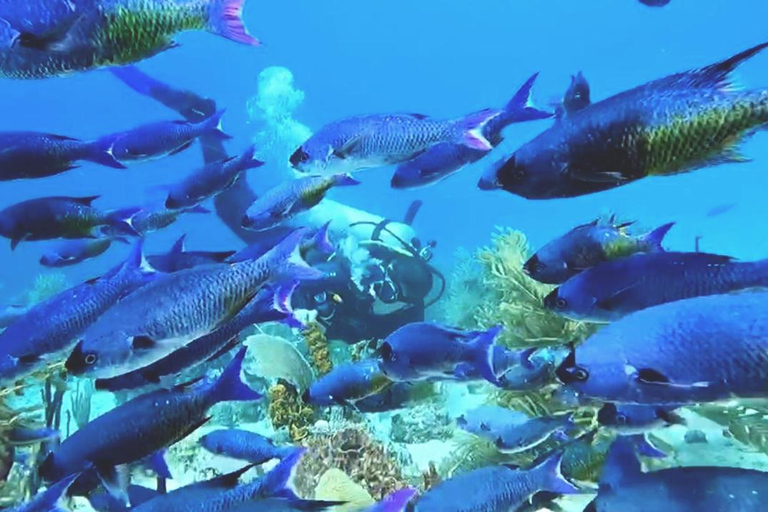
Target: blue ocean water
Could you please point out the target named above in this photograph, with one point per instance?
(439, 58)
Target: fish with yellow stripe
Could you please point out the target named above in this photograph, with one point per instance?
(673, 125)
(45, 38)
(291, 198)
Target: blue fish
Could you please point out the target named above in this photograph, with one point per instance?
(210, 180)
(494, 488)
(178, 258)
(49, 330)
(398, 501)
(512, 431)
(23, 436)
(347, 383)
(268, 305)
(148, 220)
(157, 140)
(10, 313)
(588, 245)
(72, 252)
(51, 500)
(48, 218)
(617, 288)
(318, 240)
(704, 349)
(142, 426)
(26, 155)
(422, 351)
(244, 445)
(105, 502)
(447, 158)
(637, 419)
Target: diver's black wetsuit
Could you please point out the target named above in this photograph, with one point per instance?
(348, 313)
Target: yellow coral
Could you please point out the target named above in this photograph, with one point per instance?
(318, 348)
(335, 485)
(286, 409)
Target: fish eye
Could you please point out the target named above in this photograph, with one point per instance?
(621, 419)
(561, 303)
(519, 174)
(90, 359)
(579, 374)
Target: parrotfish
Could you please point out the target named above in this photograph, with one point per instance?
(244, 445)
(178, 308)
(48, 218)
(26, 155)
(291, 198)
(371, 141)
(444, 159)
(625, 488)
(142, 426)
(348, 383)
(157, 140)
(515, 432)
(617, 288)
(58, 38)
(210, 180)
(669, 126)
(49, 330)
(72, 252)
(587, 245)
(180, 259)
(704, 349)
(494, 488)
(148, 220)
(398, 501)
(423, 351)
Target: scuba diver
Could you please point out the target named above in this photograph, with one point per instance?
(382, 281)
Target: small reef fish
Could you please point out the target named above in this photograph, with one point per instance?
(637, 419)
(178, 258)
(25, 155)
(48, 218)
(587, 245)
(398, 501)
(148, 220)
(142, 426)
(291, 198)
(347, 383)
(366, 142)
(157, 140)
(178, 308)
(268, 305)
(72, 252)
(617, 288)
(52, 499)
(49, 330)
(704, 349)
(79, 37)
(210, 180)
(442, 160)
(244, 445)
(494, 488)
(514, 432)
(423, 351)
(624, 487)
(669, 126)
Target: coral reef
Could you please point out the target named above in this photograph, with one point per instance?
(319, 349)
(351, 449)
(422, 423)
(286, 409)
(335, 485)
(274, 357)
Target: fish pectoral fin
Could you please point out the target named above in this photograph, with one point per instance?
(60, 40)
(616, 299)
(599, 177)
(16, 241)
(115, 480)
(143, 342)
(29, 359)
(348, 148)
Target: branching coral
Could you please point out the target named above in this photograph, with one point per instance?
(319, 349)
(80, 402)
(354, 451)
(286, 409)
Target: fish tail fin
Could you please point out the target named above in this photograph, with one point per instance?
(225, 18)
(471, 128)
(282, 304)
(397, 501)
(290, 262)
(122, 220)
(484, 344)
(249, 160)
(656, 237)
(520, 108)
(552, 478)
(277, 481)
(56, 495)
(345, 180)
(212, 126)
(321, 242)
(230, 387)
(137, 261)
(100, 152)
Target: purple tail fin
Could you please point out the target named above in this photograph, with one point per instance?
(225, 18)
(288, 262)
(100, 152)
(655, 237)
(395, 502)
(277, 480)
(230, 386)
(471, 130)
(484, 350)
(520, 107)
(122, 221)
(551, 478)
(212, 126)
(321, 242)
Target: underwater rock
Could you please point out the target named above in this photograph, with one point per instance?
(335, 485)
(273, 357)
(695, 436)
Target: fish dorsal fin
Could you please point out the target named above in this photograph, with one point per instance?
(621, 464)
(86, 201)
(63, 137)
(719, 74)
(617, 298)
